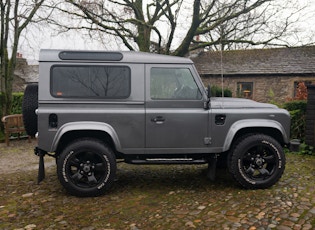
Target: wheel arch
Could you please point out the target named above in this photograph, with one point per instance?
(245, 127)
(74, 130)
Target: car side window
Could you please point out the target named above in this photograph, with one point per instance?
(173, 84)
(91, 81)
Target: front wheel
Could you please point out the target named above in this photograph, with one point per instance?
(257, 161)
(86, 167)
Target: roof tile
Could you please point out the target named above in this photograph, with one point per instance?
(297, 60)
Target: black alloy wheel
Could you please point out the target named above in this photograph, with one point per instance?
(257, 162)
(86, 167)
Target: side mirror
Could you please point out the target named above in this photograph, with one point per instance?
(209, 92)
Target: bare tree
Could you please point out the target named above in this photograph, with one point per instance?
(15, 17)
(129, 20)
(264, 26)
(155, 25)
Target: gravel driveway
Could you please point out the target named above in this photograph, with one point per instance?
(153, 197)
(19, 157)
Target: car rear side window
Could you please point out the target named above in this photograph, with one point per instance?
(91, 81)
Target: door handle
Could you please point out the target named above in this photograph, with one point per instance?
(158, 119)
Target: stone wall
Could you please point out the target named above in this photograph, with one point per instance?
(265, 88)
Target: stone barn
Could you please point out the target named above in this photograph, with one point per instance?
(258, 74)
(24, 74)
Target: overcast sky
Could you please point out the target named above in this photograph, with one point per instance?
(45, 38)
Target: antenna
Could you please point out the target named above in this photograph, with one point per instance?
(222, 75)
(221, 63)
(221, 56)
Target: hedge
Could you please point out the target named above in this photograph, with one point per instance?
(297, 110)
(17, 99)
(216, 91)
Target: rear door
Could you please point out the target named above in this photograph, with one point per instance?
(176, 121)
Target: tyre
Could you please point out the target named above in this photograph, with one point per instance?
(86, 167)
(29, 105)
(257, 162)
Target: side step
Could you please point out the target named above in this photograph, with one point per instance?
(166, 161)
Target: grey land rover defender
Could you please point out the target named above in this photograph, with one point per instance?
(91, 108)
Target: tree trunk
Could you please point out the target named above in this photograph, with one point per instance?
(183, 49)
(12, 22)
(143, 39)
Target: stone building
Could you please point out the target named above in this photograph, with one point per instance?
(258, 74)
(23, 74)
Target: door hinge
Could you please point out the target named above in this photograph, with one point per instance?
(207, 140)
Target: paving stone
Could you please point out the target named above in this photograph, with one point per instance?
(297, 227)
(233, 219)
(272, 225)
(282, 227)
(297, 215)
(307, 227)
(288, 223)
(294, 219)
(195, 213)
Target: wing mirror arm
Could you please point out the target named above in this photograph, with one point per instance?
(207, 103)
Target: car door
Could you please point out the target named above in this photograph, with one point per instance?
(176, 121)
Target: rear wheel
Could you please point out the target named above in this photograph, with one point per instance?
(257, 161)
(86, 167)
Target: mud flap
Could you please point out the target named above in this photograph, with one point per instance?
(212, 166)
(41, 165)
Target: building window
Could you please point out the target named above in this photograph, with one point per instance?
(300, 87)
(245, 90)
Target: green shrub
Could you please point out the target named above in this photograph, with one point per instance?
(306, 150)
(295, 105)
(17, 103)
(1, 125)
(217, 92)
(17, 99)
(1, 103)
(297, 110)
